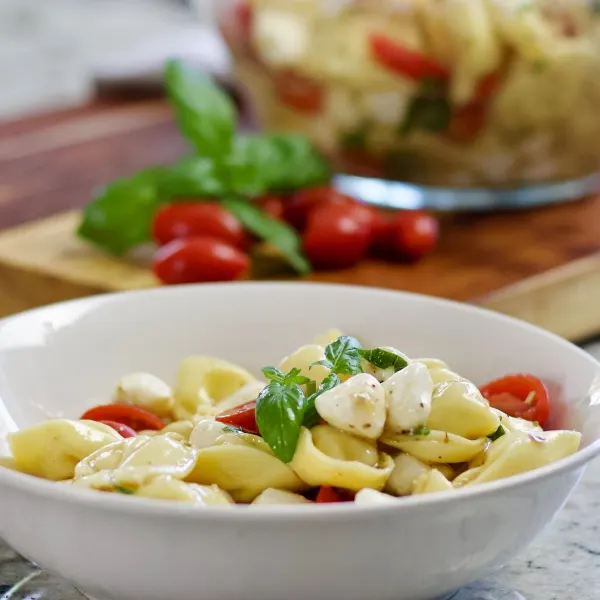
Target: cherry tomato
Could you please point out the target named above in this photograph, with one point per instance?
(132, 416)
(382, 234)
(199, 259)
(242, 416)
(300, 205)
(487, 86)
(192, 219)
(466, 123)
(328, 494)
(414, 233)
(336, 237)
(405, 61)
(522, 395)
(272, 205)
(299, 92)
(124, 430)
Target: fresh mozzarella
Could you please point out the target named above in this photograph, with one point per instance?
(147, 391)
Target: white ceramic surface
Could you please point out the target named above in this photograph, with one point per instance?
(60, 359)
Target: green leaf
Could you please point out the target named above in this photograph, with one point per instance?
(341, 356)
(497, 434)
(206, 115)
(121, 489)
(421, 430)
(279, 414)
(120, 217)
(383, 359)
(277, 162)
(280, 235)
(273, 374)
(429, 110)
(311, 416)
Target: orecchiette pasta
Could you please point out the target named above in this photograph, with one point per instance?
(366, 425)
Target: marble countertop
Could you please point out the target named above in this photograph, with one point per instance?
(40, 70)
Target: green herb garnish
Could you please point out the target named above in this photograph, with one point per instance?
(497, 434)
(121, 489)
(383, 359)
(341, 356)
(311, 416)
(226, 168)
(421, 430)
(429, 109)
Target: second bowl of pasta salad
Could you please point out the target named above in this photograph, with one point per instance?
(202, 433)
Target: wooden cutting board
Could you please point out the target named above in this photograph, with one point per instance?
(541, 265)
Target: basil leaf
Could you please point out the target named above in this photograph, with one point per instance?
(279, 162)
(497, 434)
(120, 216)
(383, 359)
(273, 374)
(311, 416)
(206, 116)
(279, 414)
(429, 110)
(421, 430)
(121, 489)
(341, 356)
(193, 177)
(280, 235)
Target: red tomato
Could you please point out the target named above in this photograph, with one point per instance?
(243, 18)
(241, 416)
(132, 416)
(336, 237)
(414, 233)
(328, 494)
(405, 61)
(523, 395)
(272, 205)
(382, 234)
(197, 260)
(487, 86)
(124, 430)
(299, 92)
(185, 220)
(466, 123)
(300, 204)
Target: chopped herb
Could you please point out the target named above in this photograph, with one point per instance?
(497, 434)
(341, 356)
(428, 110)
(421, 430)
(291, 378)
(383, 359)
(121, 489)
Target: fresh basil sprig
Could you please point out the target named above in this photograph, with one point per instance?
(341, 356)
(226, 168)
(311, 416)
(291, 378)
(383, 359)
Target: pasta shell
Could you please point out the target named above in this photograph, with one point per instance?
(437, 446)
(317, 468)
(53, 448)
(458, 407)
(432, 481)
(344, 446)
(273, 496)
(167, 488)
(303, 358)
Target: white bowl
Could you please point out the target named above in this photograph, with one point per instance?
(58, 360)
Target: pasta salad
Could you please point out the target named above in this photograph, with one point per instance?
(333, 422)
(439, 92)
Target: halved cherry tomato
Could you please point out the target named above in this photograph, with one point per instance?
(328, 494)
(192, 219)
(414, 233)
(487, 86)
(302, 203)
(299, 92)
(405, 61)
(243, 416)
(132, 416)
(336, 237)
(522, 395)
(197, 260)
(272, 205)
(121, 428)
(382, 235)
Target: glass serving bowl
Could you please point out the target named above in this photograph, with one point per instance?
(488, 95)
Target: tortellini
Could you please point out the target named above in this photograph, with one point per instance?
(52, 449)
(376, 430)
(317, 468)
(206, 380)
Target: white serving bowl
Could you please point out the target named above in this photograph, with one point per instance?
(59, 360)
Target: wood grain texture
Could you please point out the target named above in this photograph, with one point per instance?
(541, 265)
